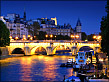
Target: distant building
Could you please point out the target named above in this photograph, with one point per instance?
(77, 29)
(63, 30)
(16, 25)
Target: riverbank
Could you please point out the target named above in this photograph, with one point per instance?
(9, 56)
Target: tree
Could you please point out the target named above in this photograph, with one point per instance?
(105, 31)
(35, 26)
(4, 35)
(90, 37)
(41, 35)
(84, 36)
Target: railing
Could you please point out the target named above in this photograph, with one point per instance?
(62, 41)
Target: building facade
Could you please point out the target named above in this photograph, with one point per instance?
(16, 25)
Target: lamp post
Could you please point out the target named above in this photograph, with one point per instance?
(51, 36)
(77, 36)
(10, 38)
(72, 36)
(97, 37)
(55, 37)
(31, 38)
(46, 36)
(16, 37)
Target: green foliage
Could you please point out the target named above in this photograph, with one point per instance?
(36, 26)
(61, 37)
(84, 36)
(90, 37)
(4, 35)
(105, 31)
(41, 35)
(42, 22)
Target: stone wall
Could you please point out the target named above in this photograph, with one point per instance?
(4, 50)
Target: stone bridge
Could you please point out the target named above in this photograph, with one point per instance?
(29, 47)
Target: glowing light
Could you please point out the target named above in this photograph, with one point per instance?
(55, 36)
(77, 36)
(51, 35)
(46, 36)
(10, 37)
(72, 36)
(29, 36)
(94, 37)
(16, 37)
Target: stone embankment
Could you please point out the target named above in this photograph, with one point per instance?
(4, 53)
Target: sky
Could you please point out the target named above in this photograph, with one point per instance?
(89, 12)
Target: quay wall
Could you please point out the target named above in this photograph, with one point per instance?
(4, 51)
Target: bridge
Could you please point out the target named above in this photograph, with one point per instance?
(51, 46)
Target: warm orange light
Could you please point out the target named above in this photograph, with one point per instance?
(24, 38)
(94, 37)
(16, 38)
(51, 35)
(10, 37)
(55, 36)
(99, 37)
(46, 36)
(77, 36)
(29, 36)
(23, 35)
(72, 36)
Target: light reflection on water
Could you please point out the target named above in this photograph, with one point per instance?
(35, 68)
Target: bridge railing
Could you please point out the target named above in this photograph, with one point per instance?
(62, 41)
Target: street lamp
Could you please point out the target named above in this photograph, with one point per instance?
(31, 38)
(55, 37)
(46, 36)
(97, 37)
(24, 37)
(16, 37)
(51, 36)
(77, 36)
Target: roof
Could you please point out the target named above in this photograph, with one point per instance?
(78, 22)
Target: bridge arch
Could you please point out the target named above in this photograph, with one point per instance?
(18, 50)
(61, 47)
(85, 48)
(32, 51)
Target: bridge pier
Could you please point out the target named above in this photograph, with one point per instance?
(74, 50)
(49, 50)
(27, 51)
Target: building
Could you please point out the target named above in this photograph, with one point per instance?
(64, 30)
(77, 30)
(16, 25)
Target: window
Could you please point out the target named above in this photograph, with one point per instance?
(22, 29)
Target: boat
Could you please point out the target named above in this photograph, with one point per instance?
(83, 60)
(69, 63)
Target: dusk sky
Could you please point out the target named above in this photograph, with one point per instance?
(89, 12)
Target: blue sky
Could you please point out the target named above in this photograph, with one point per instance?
(89, 12)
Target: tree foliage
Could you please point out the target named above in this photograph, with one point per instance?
(84, 36)
(4, 35)
(90, 37)
(105, 31)
(41, 35)
(36, 26)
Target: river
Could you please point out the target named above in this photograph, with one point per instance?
(36, 68)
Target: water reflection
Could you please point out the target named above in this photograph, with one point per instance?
(35, 68)
(26, 68)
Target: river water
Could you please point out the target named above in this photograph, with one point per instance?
(36, 68)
